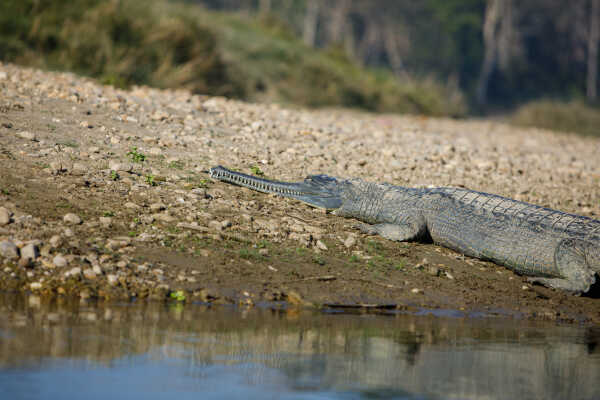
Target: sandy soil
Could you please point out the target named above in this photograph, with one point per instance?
(103, 196)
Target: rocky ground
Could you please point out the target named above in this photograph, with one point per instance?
(103, 195)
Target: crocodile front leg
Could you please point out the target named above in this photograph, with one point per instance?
(408, 227)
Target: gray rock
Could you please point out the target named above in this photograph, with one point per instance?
(321, 245)
(69, 232)
(5, 216)
(59, 261)
(30, 251)
(122, 167)
(9, 250)
(72, 219)
(27, 135)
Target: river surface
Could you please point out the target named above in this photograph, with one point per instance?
(192, 351)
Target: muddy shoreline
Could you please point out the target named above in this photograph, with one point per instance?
(103, 195)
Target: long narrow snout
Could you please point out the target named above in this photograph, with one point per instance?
(320, 191)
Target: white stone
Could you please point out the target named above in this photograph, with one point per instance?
(72, 219)
(59, 261)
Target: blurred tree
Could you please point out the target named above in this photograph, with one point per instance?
(592, 58)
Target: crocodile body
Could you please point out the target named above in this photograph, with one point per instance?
(554, 248)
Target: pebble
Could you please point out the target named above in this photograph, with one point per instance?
(59, 261)
(89, 273)
(9, 250)
(27, 135)
(131, 205)
(120, 167)
(30, 251)
(57, 167)
(112, 279)
(106, 221)
(5, 216)
(72, 219)
(35, 286)
(76, 271)
(321, 245)
(69, 232)
(350, 241)
(157, 207)
(216, 225)
(226, 223)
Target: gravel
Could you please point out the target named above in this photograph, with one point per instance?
(61, 160)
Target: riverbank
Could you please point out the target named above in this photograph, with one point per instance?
(103, 196)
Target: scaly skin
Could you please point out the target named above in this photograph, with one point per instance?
(556, 249)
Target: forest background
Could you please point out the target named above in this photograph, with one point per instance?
(532, 62)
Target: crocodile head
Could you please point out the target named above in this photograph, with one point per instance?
(319, 191)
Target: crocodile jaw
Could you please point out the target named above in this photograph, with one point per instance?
(319, 191)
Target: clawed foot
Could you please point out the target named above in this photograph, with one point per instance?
(366, 229)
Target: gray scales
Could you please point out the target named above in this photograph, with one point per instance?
(554, 248)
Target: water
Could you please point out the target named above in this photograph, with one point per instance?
(151, 351)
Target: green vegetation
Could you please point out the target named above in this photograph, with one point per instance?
(136, 156)
(114, 175)
(108, 214)
(178, 295)
(176, 165)
(567, 117)
(150, 180)
(256, 171)
(170, 44)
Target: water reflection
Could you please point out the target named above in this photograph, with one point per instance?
(152, 350)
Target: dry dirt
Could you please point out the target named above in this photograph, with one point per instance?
(151, 224)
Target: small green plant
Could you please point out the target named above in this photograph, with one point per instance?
(247, 254)
(176, 165)
(178, 295)
(132, 234)
(400, 265)
(5, 191)
(354, 258)
(108, 214)
(318, 259)
(374, 247)
(150, 180)
(262, 244)
(136, 156)
(68, 143)
(256, 171)
(114, 176)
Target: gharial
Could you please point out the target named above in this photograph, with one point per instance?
(554, 248)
